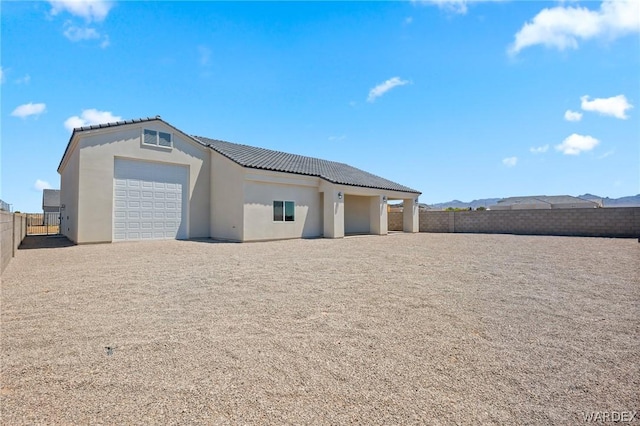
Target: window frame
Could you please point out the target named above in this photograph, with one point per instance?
(284, 211)
(157, 139)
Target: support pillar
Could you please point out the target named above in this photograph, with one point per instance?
(410, 215)
(378, 215)
(333, 214)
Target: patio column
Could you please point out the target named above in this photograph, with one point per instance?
(378, 215)
(410, 216)
(333, 214)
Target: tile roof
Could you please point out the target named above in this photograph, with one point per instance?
(260, 158)
(117, 123)
(334, 172)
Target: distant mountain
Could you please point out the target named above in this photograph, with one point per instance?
(631, 201)
(457, 204)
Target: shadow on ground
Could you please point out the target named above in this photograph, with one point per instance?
(44, 241)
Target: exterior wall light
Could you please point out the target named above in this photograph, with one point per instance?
(339, 195)
(384, 198)
(416, 201)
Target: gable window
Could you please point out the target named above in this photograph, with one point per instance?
(156, 138)
(284, 211)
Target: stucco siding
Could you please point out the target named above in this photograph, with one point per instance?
(96, 171)
(227, 195)
(356, 214)
(69, 181)
(258, 211)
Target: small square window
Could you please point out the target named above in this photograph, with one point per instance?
(156, 138)
(164, 139)
(150, 137)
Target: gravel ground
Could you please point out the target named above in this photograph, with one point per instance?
(402, 329)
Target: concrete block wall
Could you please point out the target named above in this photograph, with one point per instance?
(394, 221)
(436, 221)
(605, 222)
(13, 229)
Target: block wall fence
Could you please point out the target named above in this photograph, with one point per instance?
(604, 222)
(13, 229)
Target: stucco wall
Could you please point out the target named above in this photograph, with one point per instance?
(603, 222)
(262, 189)
(13, 229)
(97, 150)
(69, 182)
(356, 214)
(227, 198)
(258, 211)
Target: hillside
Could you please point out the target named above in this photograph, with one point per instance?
(630, 201)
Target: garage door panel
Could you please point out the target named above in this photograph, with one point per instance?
(140, 209)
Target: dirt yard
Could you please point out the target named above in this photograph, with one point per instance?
(403, 329)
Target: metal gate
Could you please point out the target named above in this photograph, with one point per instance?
(43, 223)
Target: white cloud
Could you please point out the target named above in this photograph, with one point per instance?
(539, 149)
(41, 184)
(615, 106)
(90, 117)
(561, 27)
(74, 33)
(572, 115)
(337, 138)
(90, 10)
(456, 6)
(575, 144)
(408, 20)
(383, 88)
(510, 161)
(204, 55)
(24, 111)
(1, 75)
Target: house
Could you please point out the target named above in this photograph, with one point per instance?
(145, 179)
(50, 208)
(544, 202)
(51, 200)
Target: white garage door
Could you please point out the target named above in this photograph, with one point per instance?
(149, 201)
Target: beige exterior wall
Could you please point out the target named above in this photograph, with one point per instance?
(69, 182)
(356, 214)
(333, 211)
(261, 189)
(97, 150)
(227, 199)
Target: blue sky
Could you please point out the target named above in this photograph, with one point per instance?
(458, 99)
